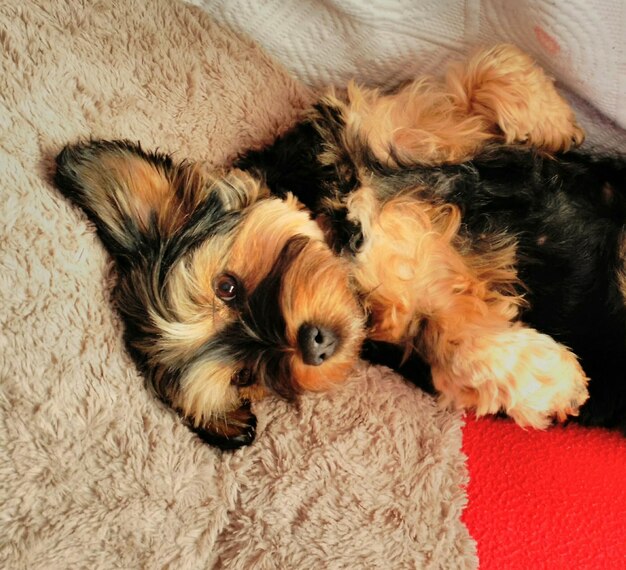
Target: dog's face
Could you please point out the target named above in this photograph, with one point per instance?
(226, 292)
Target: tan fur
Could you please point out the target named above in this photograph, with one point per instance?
(315, 292)
(268, 226)
(499, 94)
(428, 292)
(148, 187)
(506, 87)
(413, 268)
(206, 393)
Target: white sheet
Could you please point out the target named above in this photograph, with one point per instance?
(580, 42)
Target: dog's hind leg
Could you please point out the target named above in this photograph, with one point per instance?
(506, 87)
(500, 94)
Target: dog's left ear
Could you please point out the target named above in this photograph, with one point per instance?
(135, 197)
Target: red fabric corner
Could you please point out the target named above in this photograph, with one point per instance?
(546, 499)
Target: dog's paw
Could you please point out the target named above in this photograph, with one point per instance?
(511, 91)
(526, 374)
(236, 429)
(557, 132)
(549, 384)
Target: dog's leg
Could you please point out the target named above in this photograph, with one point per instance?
(233, 430)
(507, 88)
(426, 290)
(499, 94)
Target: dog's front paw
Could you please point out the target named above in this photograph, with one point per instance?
(234, 430)
(549, 384)
(526, 374)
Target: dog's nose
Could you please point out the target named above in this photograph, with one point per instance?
(316, 343)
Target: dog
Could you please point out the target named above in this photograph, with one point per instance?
(475, 242)
(225, 292)
(228, 292)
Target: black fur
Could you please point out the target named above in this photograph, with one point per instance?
(292, 164)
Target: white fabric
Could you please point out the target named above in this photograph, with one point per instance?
(580, 42)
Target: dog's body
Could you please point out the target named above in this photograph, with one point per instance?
(568, 217)
(228, 292)
(450, 259)
(552, 230)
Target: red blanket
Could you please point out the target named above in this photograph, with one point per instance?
(546, 499)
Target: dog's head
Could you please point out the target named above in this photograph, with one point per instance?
(226, 292)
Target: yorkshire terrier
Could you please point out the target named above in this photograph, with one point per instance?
(500, 265)
(228, 291)
(225, 291)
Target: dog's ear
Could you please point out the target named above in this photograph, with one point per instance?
(136, 198)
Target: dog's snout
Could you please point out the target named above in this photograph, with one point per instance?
(317, 344)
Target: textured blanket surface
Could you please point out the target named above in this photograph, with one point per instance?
(546, 499)
(94, 473)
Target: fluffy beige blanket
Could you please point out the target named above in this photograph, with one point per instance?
(94, 472)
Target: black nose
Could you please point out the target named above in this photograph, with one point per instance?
(317, 344)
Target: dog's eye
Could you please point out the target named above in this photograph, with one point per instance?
(226, 287)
